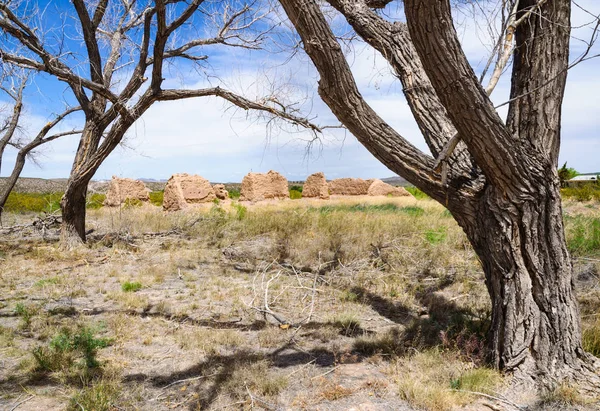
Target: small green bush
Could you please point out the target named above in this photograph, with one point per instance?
(157, 197)
(418, 194)
(582, 192)
(100, 396)
(132, 202)
(68, 345)
(296, 188)
(131, 287)
(95, 201)
(295, 194)
(234, 193)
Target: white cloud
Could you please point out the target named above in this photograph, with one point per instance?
(197, 136)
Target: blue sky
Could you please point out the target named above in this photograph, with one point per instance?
(205, 137)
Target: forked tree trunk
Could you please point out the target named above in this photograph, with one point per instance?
(535, 329)
(511, 213)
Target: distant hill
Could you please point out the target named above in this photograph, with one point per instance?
(38, 185)
(396, 181)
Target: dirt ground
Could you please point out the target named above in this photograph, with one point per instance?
(346, 304)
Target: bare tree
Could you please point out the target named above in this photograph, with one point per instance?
(13, 86)
(128, 44)
(500, 183)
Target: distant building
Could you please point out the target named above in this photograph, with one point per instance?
(584, 179)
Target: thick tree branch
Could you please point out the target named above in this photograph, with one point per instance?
(91, 44)
(468, 106)
(338, 89)
(393, 41)
(541, 46)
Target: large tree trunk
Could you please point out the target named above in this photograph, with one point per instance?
(74, 200)
(535, 329)
(73, 214)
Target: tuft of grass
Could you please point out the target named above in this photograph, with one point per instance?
(255, 378)
(564, 395)
(334, 392)
(388, 343)
(435, 380)
(131, 287)
(100, 396)
(349, 296)
(46, 281)
(26, 313)
(348, 324)
(583, 235)
(240, 211)
(436, 236)
(591, 338)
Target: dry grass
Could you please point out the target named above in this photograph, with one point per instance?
(378, 297)
(438, 381)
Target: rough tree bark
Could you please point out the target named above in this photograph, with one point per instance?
(502, 187)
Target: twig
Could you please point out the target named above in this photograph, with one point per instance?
(22, 402)
(325, 373)
(301, 368)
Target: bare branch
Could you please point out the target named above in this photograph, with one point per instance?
(239, 101)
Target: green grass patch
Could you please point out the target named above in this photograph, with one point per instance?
(157, 197)
(436, 236)
(234, 193)
(360, 208)
(413, 211)
(131, 287)
(46, 281)
(33, 202)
